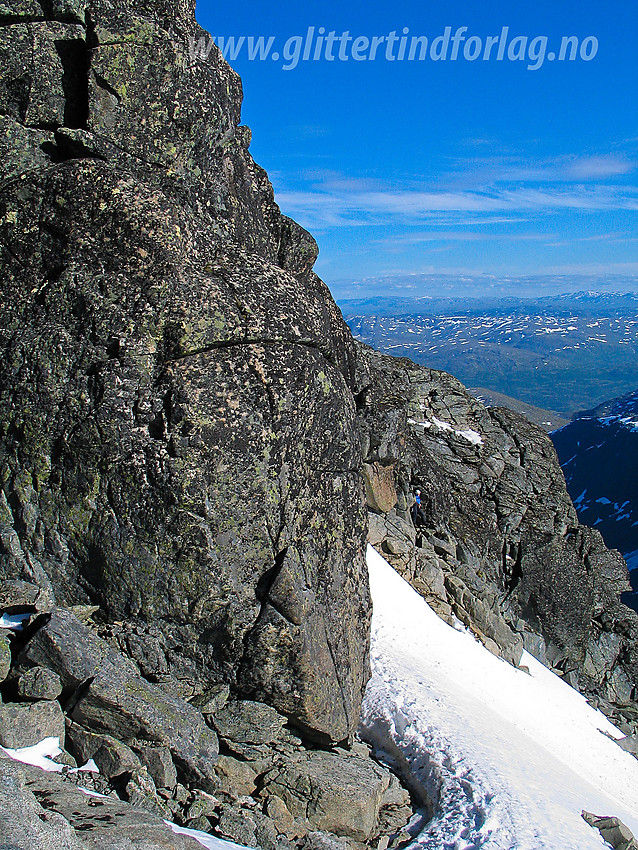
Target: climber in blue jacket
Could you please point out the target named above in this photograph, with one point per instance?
(416, 511)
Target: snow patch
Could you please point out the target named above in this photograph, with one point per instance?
(471, 436)
(90, 793)
(468, 434)
(506, 759)
(15, 622)
(39, 755)
(442, 426)
(89, 767)
(209, 841)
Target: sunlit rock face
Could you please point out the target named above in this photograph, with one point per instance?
(176, 384)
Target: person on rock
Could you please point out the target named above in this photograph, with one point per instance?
(416, 511)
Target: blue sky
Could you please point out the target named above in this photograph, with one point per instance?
(462, 166)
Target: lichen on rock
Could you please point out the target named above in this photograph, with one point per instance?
(176, 383)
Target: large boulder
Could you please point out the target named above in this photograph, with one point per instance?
(26, 724)
(176, 385)
(23, 821)
(128, 707)
(334, 794)
(73, 651)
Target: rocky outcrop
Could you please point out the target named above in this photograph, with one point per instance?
(498, 543)
(613, 831)
(232, 767)
(43, 811)
(161, 330)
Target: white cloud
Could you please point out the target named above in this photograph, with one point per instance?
(342, 207)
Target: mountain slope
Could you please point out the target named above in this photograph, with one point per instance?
(498, 540)
(598, 452)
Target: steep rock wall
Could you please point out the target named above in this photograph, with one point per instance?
(176, 385)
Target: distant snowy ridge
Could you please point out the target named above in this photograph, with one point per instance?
(509, 759)
(598, 452)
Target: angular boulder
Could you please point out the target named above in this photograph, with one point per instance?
(128, 707)
(613, 831)
(113, 758)
(26, 724)
(158, 762)
(334, 794)
(38, 683)
(73, 651)
(248, 722)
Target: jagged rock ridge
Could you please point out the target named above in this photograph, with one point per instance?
(498, 543)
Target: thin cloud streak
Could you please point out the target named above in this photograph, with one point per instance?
(343, 208)
(405, 239)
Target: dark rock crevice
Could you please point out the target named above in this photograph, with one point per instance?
(66, 148)
(104, 84)
(75, 58)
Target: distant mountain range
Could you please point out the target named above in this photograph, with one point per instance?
(473, 303)
(598, 451)
(561, 353)
(468, 287)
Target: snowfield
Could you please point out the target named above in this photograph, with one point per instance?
(509, 759)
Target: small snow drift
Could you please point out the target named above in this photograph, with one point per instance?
(506, 759)
(210, 842)
(40, 755)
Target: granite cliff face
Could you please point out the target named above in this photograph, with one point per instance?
(161, 330)
(189, 437)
